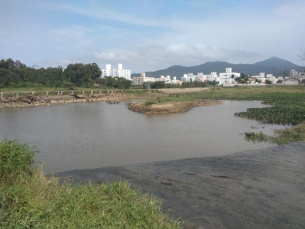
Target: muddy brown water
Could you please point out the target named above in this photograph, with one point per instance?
(93, 135)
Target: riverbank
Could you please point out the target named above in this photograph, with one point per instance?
(253, 189)
(43, 98)
(114, 97)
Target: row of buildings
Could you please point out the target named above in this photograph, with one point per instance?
(227, 78)
(166, 79)
(223, 78)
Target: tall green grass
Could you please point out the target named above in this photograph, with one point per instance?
(28, 199)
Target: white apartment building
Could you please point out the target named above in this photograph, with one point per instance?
(228, 77)
(142, 79)
(166, 79)
(213, 77)
(189, 77)
(201, 78)
(119, 72)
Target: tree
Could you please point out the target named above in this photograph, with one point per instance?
(242, 79)
(156, 85)
(258, 81)
(82, 74)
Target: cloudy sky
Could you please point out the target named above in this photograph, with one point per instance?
(147, 35)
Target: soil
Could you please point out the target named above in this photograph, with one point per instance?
(254, 189)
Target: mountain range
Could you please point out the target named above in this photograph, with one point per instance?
(273, 65)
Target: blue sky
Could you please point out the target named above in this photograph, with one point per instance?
(148, 35)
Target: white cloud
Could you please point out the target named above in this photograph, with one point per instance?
(157, 56)
(146, 39)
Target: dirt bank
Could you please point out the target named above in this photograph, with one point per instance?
(32, 101)
(254, 189)
(172, 107)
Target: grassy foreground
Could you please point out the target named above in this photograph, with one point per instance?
(28, 199)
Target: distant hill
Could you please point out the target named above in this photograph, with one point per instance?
(273, 65)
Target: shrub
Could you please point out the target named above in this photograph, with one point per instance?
(15, 159)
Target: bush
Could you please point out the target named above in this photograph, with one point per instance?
(15, 159)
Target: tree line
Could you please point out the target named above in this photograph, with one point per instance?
(14, 74)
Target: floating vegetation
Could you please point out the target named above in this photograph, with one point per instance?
(281, 115)
(256, 137)
(280, 137)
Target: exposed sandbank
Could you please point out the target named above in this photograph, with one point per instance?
(170, 107)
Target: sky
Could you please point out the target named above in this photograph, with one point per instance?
(149, 35)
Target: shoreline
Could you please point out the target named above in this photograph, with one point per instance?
(34, 101)
(250, 189)
(114, 96)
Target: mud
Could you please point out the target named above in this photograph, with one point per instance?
(254, 189)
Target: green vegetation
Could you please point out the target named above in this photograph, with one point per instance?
(17, 76)
(281, 137)
(170, 99)
(142, 92)
(28, 199)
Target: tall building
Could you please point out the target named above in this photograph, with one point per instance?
(119, 72)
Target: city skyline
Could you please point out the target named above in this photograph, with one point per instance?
(150, 35)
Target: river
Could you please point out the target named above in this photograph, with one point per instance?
(92, 135)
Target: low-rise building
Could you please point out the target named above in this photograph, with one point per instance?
(142, 79)
(291, 81)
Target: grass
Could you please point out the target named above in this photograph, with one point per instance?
(142, 91)
(169, 99)
(28, 199)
